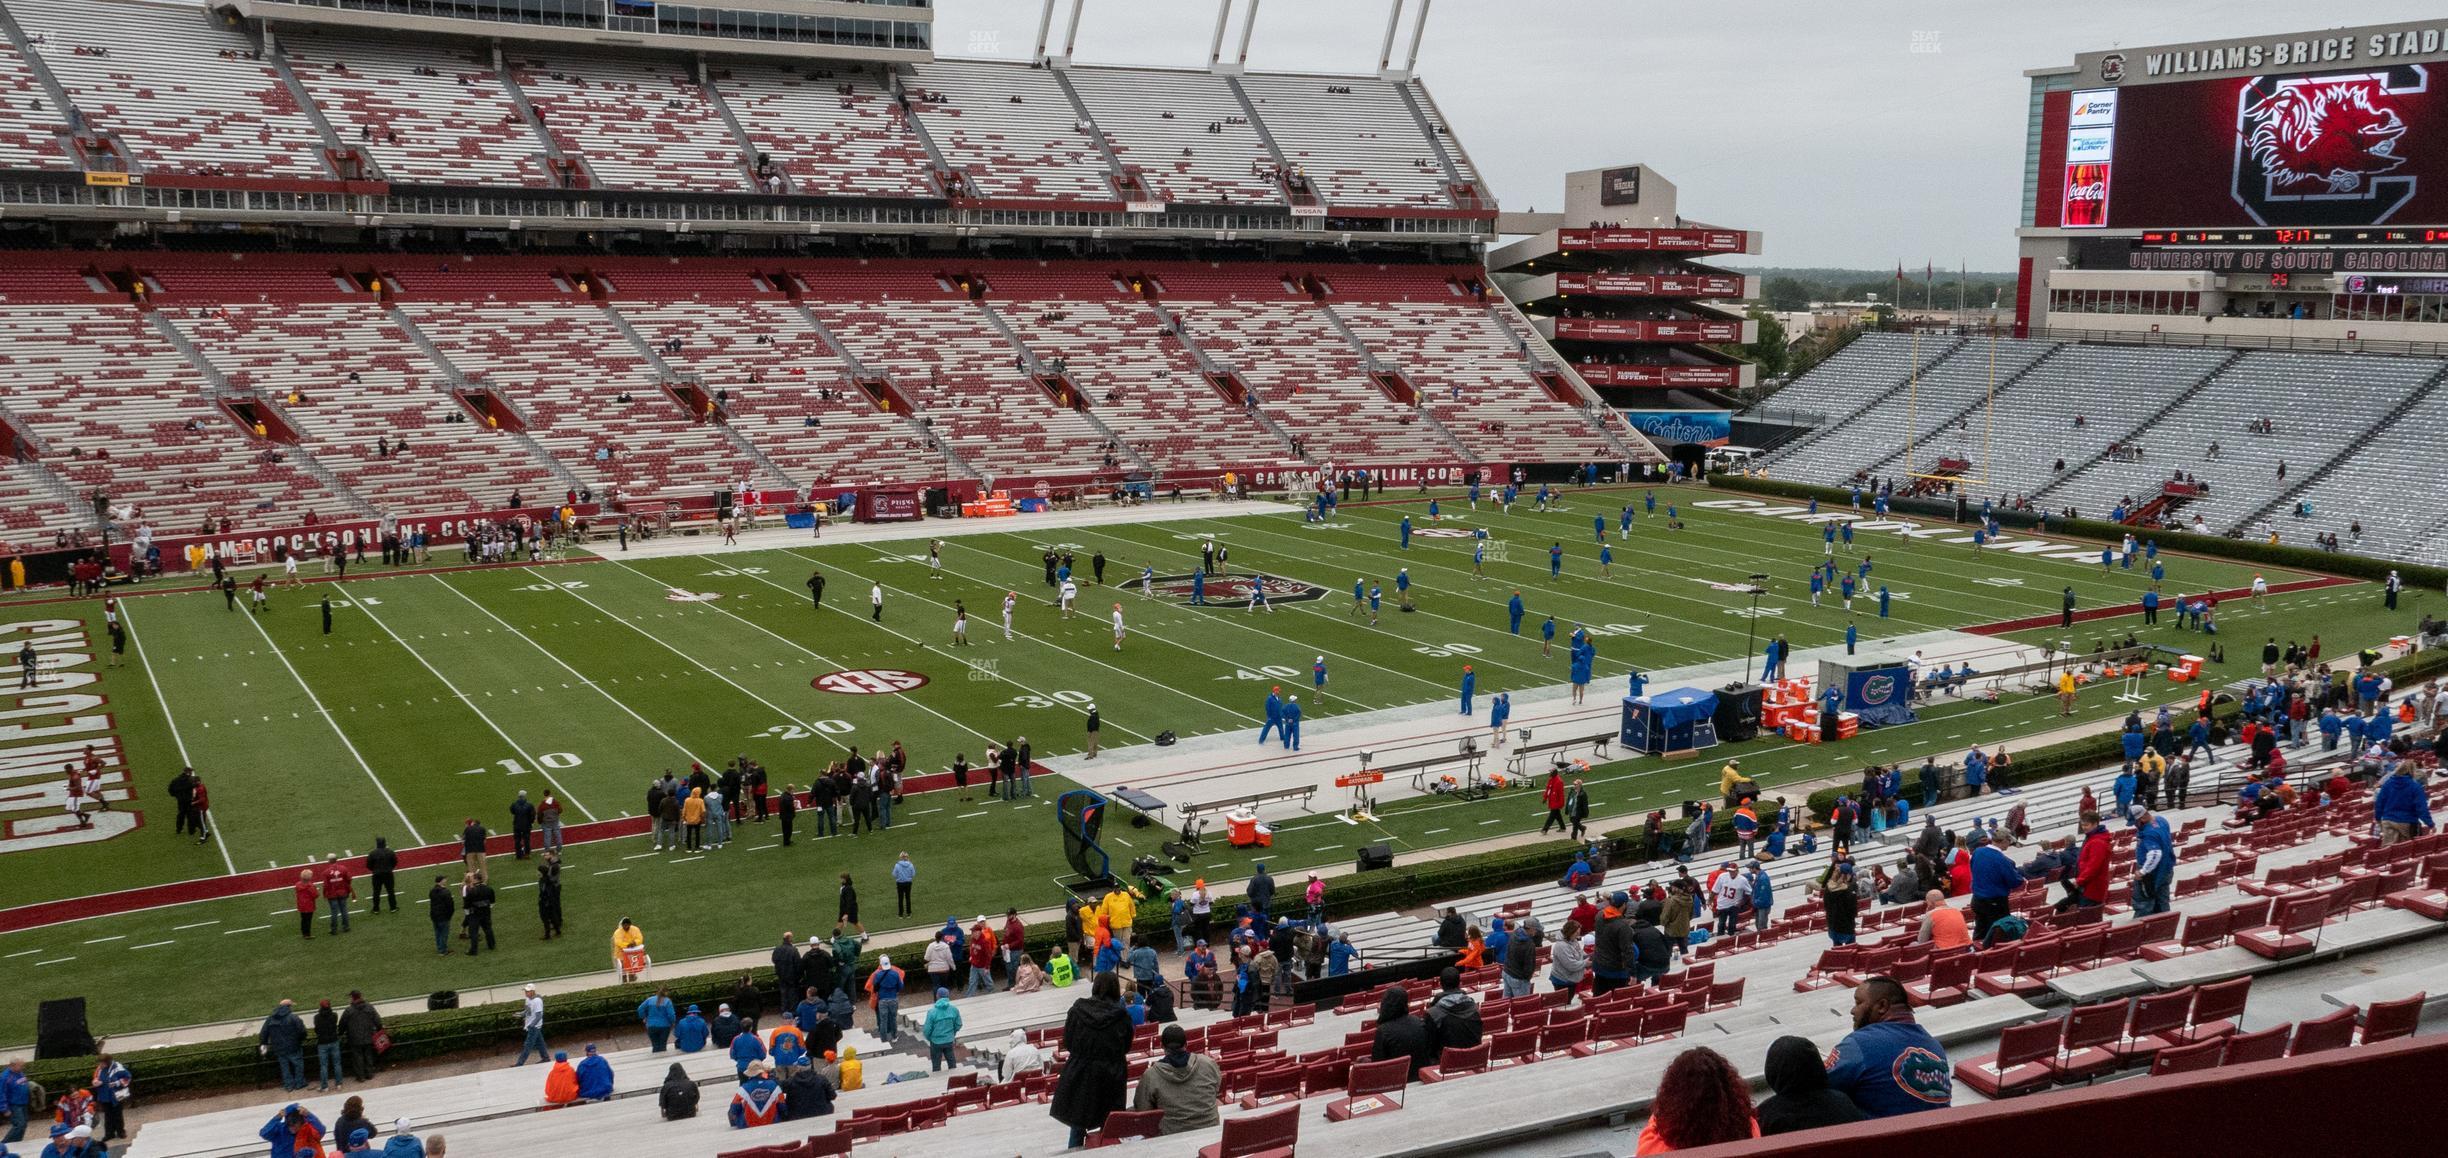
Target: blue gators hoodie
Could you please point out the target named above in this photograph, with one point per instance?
(1892, 1067)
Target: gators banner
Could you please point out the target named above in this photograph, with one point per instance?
(1704, 427)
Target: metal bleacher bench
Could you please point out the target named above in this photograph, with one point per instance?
(1252, 800)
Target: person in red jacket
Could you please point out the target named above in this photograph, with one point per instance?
(336, 893)
(307, 896)
(2091, 866)
(203, 812)
(1555, 802)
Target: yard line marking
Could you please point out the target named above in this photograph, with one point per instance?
(334, 721)
(55, 961)
(641, 855)
(924, 811)
(112, 937)
(1434, 831)
(609, 872)
(171, 718)
(690, 859)
(25, 953)
(150, 945)
(967, 815)
(1326, 848)
(1221, 864)
(1493, 820)
(515, 746)
(677, 746)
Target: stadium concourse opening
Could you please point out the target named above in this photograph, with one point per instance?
(876, 555)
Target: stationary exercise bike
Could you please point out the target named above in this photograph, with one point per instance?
(1192, 841)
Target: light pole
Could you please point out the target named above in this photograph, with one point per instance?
(1751, 629)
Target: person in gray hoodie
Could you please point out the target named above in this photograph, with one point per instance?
(1184, 1085)
(1521, 958)
(1567, 964)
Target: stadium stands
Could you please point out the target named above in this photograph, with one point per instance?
(2319, 405)
(1011, 130)
(1951, 396)
(425, 112)
(1137, 376)
(179, 91)
(965, 377)
(30, 131)
(1184, 130)
(1472, 375)
(1870, 370)
(829, 132)
(1353, 138)
(636, 123)
(2404, 512)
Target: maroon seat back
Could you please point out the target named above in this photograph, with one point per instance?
(833, 1145)
(1379, 1077)
(2219, 1001)
(2158, 1012)
(2327, 1032)
(2185, 1059)
(2206, 929)
(1463, 1059)
(1123, 1125)
(1258, 1133)
(2094, 1025)
(2260, 1045)
(2024, 1044)
(2386, 1020)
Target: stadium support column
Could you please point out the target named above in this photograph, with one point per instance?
(1045, 23)
(1385, 51)
(1419, 26)
(1071, 29)
(1215, 45)
(1249, 21)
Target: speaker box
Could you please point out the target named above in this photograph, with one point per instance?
(722, 504)
(1738, 712)
(59, 1029)
(1376, 856)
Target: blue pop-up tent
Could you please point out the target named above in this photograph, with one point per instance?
(1669, 721)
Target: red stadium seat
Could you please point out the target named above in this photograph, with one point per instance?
(2020, 1066)
(1268, 1135)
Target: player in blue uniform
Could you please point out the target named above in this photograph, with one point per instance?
(1291, 723)
(1317, 675)
(1470, 686)
(1547, 637)
(1513, 611)
(1274, 713)
(1406, 532)
(1555, 562)
(1606, 562)
(1376, 598)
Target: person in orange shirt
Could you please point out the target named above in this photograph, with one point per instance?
(1474, 951)
(1943, 926)
(560, 1082)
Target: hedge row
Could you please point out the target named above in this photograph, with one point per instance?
(234, 1063)
(2219, 546)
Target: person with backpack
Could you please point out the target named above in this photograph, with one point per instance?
(678, 1097)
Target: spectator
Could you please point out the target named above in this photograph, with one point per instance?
(110, 1086)
(941, 1030)
(1521, 958)
(594, 1077)
(884, 996)
(2091, 864)
(691, 1032)
(360, 1024)
(333, 1071)
(1889, 1065)
(678, 1097)
(1020, 1059)
(1651, 953)
(2401, 807)
(1800, 1098)
(1701, 1101)
(1453, 1018)
(283, 1039)
(403, 1143)
(746, 1049)
(807, 1093)
(561, 1081)
(658, 1016)
(759, 1101)
(1613, 955)
(294, 1132)
(2154, 863)
(1184, 1085)
(1942, 926)
(1399, 1034)
(16, 1099)
(1097, 1036)
(1994, 880)
(1567, 965)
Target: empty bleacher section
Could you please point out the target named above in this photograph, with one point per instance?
(2318, 405)
(587, 396)
(1871, 370)
(787, 392)
(1353, 138)
(1010, 129)
(828, 131)
(2112, 389)
(963, 376)
(29, 127)
(1184, 130)
(179, 91)
(1925, 412)
(636, 123)
(339, 370)
(1471, 374)
(1304, 373)
(1137, 377)
(120, 410)
(426, 113)
(2386, 485)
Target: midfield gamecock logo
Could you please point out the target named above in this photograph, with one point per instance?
(2325, 150)
(1229, 589)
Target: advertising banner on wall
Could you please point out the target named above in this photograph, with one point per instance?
(1703, 427)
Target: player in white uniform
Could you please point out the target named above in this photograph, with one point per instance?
(960, 624)
(1117, 622)
(935, 559)
(1147, 581)
(289, 567)
(2260, 592)
(1011, 599)
(1070, 595)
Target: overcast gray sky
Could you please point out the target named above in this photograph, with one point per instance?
(1818, 123)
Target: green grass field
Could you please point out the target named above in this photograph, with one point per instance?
(438, 696)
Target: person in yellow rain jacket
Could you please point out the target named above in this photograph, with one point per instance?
(693, 818)
(624, 938)
(1121, 910)
(853, 1072)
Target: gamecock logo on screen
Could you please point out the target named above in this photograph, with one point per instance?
(2325, 150)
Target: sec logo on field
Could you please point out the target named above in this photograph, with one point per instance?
(868, 682)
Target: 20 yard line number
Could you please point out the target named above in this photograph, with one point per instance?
(809, 730)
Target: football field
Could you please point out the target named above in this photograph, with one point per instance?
(437, 695)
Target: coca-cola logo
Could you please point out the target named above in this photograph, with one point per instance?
(2095, 191)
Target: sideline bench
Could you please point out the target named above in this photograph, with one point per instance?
(1253, 800)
